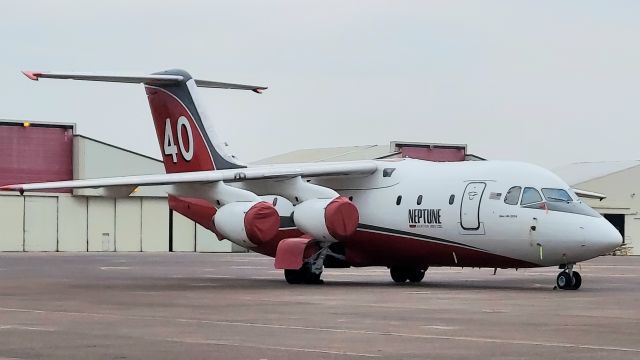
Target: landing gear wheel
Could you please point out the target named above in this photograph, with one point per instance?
(304, 275)
(294, 276)
(416, 275)
(564, 281)
(313, 278)
(399, 275)
(577, 281)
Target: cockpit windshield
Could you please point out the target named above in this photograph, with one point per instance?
(556, 195)
(530, 196)
(559, 200)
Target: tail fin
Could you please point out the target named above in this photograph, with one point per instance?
(187, 140)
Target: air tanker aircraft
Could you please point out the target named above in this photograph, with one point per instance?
(404, 214)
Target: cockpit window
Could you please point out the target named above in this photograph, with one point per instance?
(556, 195)
(513, 195)
(530, 196)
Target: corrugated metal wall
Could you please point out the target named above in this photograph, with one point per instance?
(88, 222)
(63, 222)
(35, 153)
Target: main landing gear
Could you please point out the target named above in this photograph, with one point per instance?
(401, 274)
(569, 279)
(304, 275)
(311, 269)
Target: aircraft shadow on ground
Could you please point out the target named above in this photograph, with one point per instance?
(159, 284)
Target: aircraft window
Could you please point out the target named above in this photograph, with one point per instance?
(419, 202)
(387, 172)
(350, 198)
(399, 200)
(513, 195)
(556, 195)
(452, 198)
(530, 196)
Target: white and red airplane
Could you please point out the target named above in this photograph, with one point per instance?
(404, 214)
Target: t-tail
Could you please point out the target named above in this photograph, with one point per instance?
(187, 139)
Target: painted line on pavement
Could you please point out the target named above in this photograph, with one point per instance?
(18, 327)
(270, 347)
(335, 330)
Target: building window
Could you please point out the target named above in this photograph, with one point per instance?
(513, 195)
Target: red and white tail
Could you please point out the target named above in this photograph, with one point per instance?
(181, 125)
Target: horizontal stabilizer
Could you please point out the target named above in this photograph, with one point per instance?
(221, 85)
(140, 79)
(153, 79)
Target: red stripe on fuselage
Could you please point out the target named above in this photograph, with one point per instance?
(367, 248)
(378, 248)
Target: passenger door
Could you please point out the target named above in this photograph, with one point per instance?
(470, 206)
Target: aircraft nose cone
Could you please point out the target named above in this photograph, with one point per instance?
(608, 238)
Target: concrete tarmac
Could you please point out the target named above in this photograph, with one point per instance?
(237, 306)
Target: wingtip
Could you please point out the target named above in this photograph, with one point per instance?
(19, 189)
(259, 90)
(32, 75)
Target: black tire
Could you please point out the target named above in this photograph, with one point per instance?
(577, 281)
(416, 275)
(313, 278)
(304, 275)
(399, 275)
(294, 276)
(564, 281)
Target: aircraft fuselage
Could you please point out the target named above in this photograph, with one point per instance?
(419, 213)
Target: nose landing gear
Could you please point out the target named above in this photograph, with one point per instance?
(568, 279)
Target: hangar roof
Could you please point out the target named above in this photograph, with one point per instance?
(580, 172)
(427, 151)
(344, 153)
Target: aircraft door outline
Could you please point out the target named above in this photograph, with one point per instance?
(470, 205)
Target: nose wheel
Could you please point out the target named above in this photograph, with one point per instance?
(569, 279)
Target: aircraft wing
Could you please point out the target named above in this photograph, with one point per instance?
(280, 171)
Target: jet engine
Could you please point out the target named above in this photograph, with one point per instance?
(247, 223)
(327, 219)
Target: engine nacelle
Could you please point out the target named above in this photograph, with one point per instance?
(247, 223)
(327, 219)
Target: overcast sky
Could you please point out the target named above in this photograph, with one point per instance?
(548, 82)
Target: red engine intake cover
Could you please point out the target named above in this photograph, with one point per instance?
(261, 223)
(341, 218)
